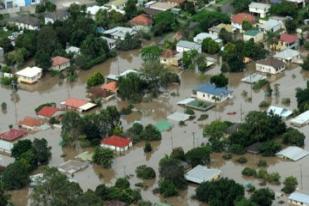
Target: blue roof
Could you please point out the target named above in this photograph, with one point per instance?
(212, 89)
(299, 197)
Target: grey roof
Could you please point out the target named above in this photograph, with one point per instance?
(57, 15)
(252, 78)
(301, 119)
(29, 20)
(293, 153)
(189, 45)
(286, 54)
(299, 197)
(201, 174)
(259, 5)
(270, 61)
(271, 23)
(178, 116)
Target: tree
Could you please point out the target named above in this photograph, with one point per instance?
(16, 57)
(89, 198)
(241, 5)
(145, 172)
(284, 8)
(122, 183)
(94, 47)
(135, 132)
(41, 149)
(207, 19)
(290, 184)
(103, 157)
(199, 155)
(27, 40)
(54, 188)
(290, 26)
(16, 175)
(215, 132)
(305, 65)
(71, 130)
(263, 197)
(167, 188)
(95, 80)
(233, 56)
(171, 170)
(164, 22)
(130, 42)
(131, 87)
(21, 147)
(5, 43)
(269, 148)
(219, 80)
(246, 25)
(225, 36)
(178, 153)
(244, 202)
(222, 192)
(102, 2)
(42, 59)
(151, 53)
(210, 46)
(4, 197)
(293, 137)
(151, 133)
(130, 9)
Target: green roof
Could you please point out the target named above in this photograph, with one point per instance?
(252, 32)
(163, 125)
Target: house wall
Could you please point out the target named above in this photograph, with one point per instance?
(268, 69)
(261, 12)
(211, 98)
(27, 80)
(61, 67)
(26, 26)
(180, 49)
(257, 38)
(117, 149)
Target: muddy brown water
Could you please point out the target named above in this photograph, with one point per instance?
(51, 89)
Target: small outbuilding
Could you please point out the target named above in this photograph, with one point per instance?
(60, 63)
(178, 117)
(301, 120)
(293, 153)
(289, 56)
(297, 198)
(201, 174)
(47, 112)
(31, 123)
(279, 111)
(116, 143)
(254, 34)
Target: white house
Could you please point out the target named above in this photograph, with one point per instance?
(259, 8)
(60, 63)
(270, 65)
(183, 46)
(298, 199)
(254, 34)
(26, 22)
(119, 32)
(199, 38)
(8, 4)
(201, 174)
(116, 143)
(117, 5)
(93, 10)
(289, 56)
(29, 75)
(211, 93)
(271, 25)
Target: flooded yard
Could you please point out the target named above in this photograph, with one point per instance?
(51, 89)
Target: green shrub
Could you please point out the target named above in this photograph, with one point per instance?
(262, 163)
(242, 160)
(167, 188)
(145, 172)
(250, 172)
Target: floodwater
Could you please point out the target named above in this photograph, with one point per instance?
(52, 89)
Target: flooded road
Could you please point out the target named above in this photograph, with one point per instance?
(51, 89)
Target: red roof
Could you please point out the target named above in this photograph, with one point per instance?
(13, 134)
(110, 86)
(47, 111)
(74, 102)
(58, 60)
(30, 122)
(288, 38)
(142, 20)
(116, 141)
(241, 17)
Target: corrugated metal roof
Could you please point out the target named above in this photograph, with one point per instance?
(212, 89)
(299, 197)
(293, 153)
(201, 174)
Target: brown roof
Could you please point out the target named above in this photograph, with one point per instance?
(30, 122)
(143, 20)
(168, 53)
(271, 62)
(241, 17)
(58, 60)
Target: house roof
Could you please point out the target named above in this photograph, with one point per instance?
(282, 112)
(74, 102)
(287, 54)
(26, 19)
(217, 28)
(47, 111)
(270, 61)
(299, 197)
(212, 89)
(116, 141)
(29, 72)
(301, 119)
(241, 17)
(13, 134)
(31, 122)
(258, 5)
(167, 53)
(293, 153)
(59, 60)
(288, 38)
(201, 174)
(270, 24)
(57, 15)
(142, 20)
(188, 45)
(162, 6)
(178, 116)
(110, 86)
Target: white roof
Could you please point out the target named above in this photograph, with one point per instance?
(188, 45)
(93, 10)
(201, 174)
(287, 54)
(270, 24)
(72, 49)
(185, 101)
(258, 5)
(120, 31)
(282, 112)
(201, 36)
(252, 78)
(299, 197)
(29, 72)
(293, 153)
(301, 119)
(87, 106)
(178, 116)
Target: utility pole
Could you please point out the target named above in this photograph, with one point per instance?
(193, 136)
(301, 177)
(172, 142)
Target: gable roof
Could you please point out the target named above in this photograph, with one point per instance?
(30, 122)
(57, 15)
(74, 102)
(13, 134)
(299, 197)
(142, 20)
(258, 5)
(288, 38)
(59, 60)
(188, 45)
(201, 174)
(116, 141)
(110, 86)
(287, 54)
(47, 111)
(212, 89)
(293, 153)
(270, 61)
(241, 17)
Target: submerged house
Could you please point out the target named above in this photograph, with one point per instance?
(201, 174)
(60, 63)
(184, 46)
(116, 143)
(29, 75)
(211, 93)
(80, 105)
(8, 138)
(279, 111)
(238, 19)
(270, 65)
(31, 123)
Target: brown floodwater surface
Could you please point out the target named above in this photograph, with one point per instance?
(51, 89)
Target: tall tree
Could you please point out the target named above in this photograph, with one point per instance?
(131, 9)
(71, 130)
